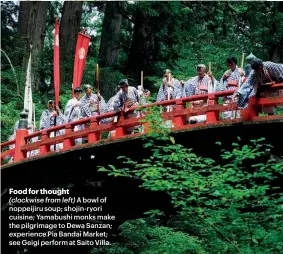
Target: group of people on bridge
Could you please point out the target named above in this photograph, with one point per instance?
(245, 83)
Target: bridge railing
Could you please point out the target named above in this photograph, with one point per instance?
(42, 143)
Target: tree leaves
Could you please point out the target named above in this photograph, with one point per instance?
(232, 200)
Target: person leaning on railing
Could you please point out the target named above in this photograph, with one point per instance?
(50, 118)
(126, 98)
(230, 80)
(110, 108)
(203, 83)
(262, 76)
(72, 111)
(248, 67)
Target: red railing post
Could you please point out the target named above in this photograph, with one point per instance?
(94, 136)
(44, 149)
(120, 130)
(93, 132)
(212, 116)
(180, 120)
(252, 110)
(145, 124)
(20, 141)
(67, 143)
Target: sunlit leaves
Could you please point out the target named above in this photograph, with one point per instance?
(233, 199)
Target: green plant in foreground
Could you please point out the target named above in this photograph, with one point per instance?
(140, 236)
(232, 207)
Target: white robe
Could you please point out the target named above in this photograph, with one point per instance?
(73, 114)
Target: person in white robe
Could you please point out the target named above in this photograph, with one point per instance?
(72, 111)
(50, 118)
(203, 83)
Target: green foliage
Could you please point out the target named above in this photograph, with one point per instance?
(182, 34)
(156, 123)
(279, 110)
(140, 236)
(233, 207)
(109, 78)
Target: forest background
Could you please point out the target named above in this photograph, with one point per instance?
(127, 38)
(230, 207)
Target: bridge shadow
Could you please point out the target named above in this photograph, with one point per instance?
(79, 165)
(77, 169)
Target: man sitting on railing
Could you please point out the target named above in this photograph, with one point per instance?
(201, 84)
(262, 76)
(126, 98)
(50, 118)
(72, 111)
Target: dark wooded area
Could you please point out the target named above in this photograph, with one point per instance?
(230, 207)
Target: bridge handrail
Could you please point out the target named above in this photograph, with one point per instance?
(113, 114)
(8, 143)
(95, 129)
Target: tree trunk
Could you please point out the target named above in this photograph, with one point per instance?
(142, 56)
(111, 29)
(32, 25)
(277, 52)
(275, 48)
(23, 18)
(69, 29)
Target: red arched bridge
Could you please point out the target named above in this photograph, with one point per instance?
(92, 134)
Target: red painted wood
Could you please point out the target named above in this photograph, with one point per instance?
(93, 137)
(179, 120)
(120, 132)
(267, 118)
(20, 141)
(73, 135)
(7, 143)
(253, 109)
(179, 115)
(68, 142)
(44, 148)
(272, 101)
(146, 127)
(6, 154)
(212, 116)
